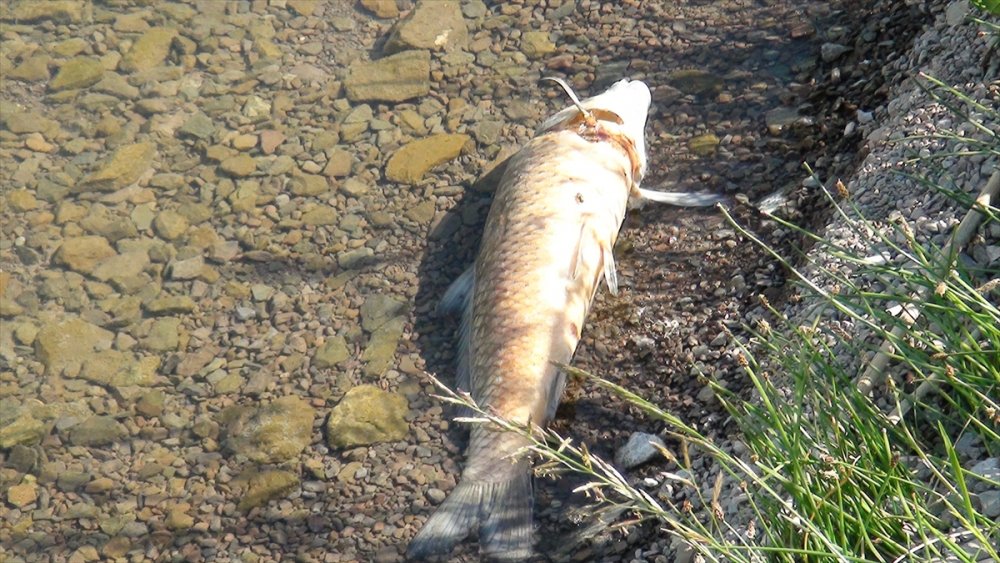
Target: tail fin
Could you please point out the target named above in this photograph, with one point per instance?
(501, 511)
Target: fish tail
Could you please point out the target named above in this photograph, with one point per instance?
(500, 509)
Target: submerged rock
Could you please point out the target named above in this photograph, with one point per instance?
(367, 415)
(433, 25)
(410, 163)
(273, 433)
(393, 79)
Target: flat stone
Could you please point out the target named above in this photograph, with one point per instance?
(339, 163)
(392, 79)
(266, 486)
(178, 520)
(378, 309)
(320, 215)
(410, 163)
(274, 433)
(270, 140)
(240, 166)
(23, 494)
(536, 44)
(76, 73)
(97, 431)
(150, 50)
(125, 167)
(309, 185)
(186, 269)
(385, 9)
(170, 305)
(422, 212)
(121, 266)
(778, 119)
(303, 7)
(33, 69)
(170, 225)
(27, 122)
(430, 25)
(331, 353)
(83, 254)
(381, 348)
(25, 430)
(116, 369)
(367, 415)
(164, 335)
(703, 145)
(22, 200)
(695, 82)
(199, 126)
(62, 11)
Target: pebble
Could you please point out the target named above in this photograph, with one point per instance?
(639, 449)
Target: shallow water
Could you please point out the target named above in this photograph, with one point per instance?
(200, 218)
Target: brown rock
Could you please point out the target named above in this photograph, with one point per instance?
(410, 163)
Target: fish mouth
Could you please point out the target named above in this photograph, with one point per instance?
(620, 114)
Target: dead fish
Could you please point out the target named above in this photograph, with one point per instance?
(547, 244)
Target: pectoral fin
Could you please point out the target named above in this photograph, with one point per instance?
(610, 273)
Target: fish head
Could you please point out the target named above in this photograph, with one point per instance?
(621, 110)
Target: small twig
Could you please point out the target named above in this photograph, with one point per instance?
(874, 374)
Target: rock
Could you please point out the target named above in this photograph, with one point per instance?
(274, 433)
(410, 163)
(265, 486)
(97, 431)
(21, 200)
(170, 305)
(199, 126)
(320, 215)
(239, 166)
(24, 494)
(121, 266)
(178, 519)
(116, 369)
(422, 212)
(309, 185)
(27, 122)
(392, 79)
(303, 7)
(70, 340)
(333, 352)
(150, 50)
(25, 430)
(83, 254)
(170, 225)
(695, 82)
(62, 11)
(778, 119)
(385, 9)
(379, 308)
(339, 163)
(367, 415)
(991, 503)
(104, 222)
(536, 44)
(164, 335)
(150, 403)
(125, 167)
(381, 347)
(76, 73)
(33, 69)
(433, 25)
(703, 145)
(988, 469)
(832, 51)
(270, 140)
(639, 449)
(186, 269)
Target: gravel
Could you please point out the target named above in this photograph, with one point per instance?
(222, 224)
